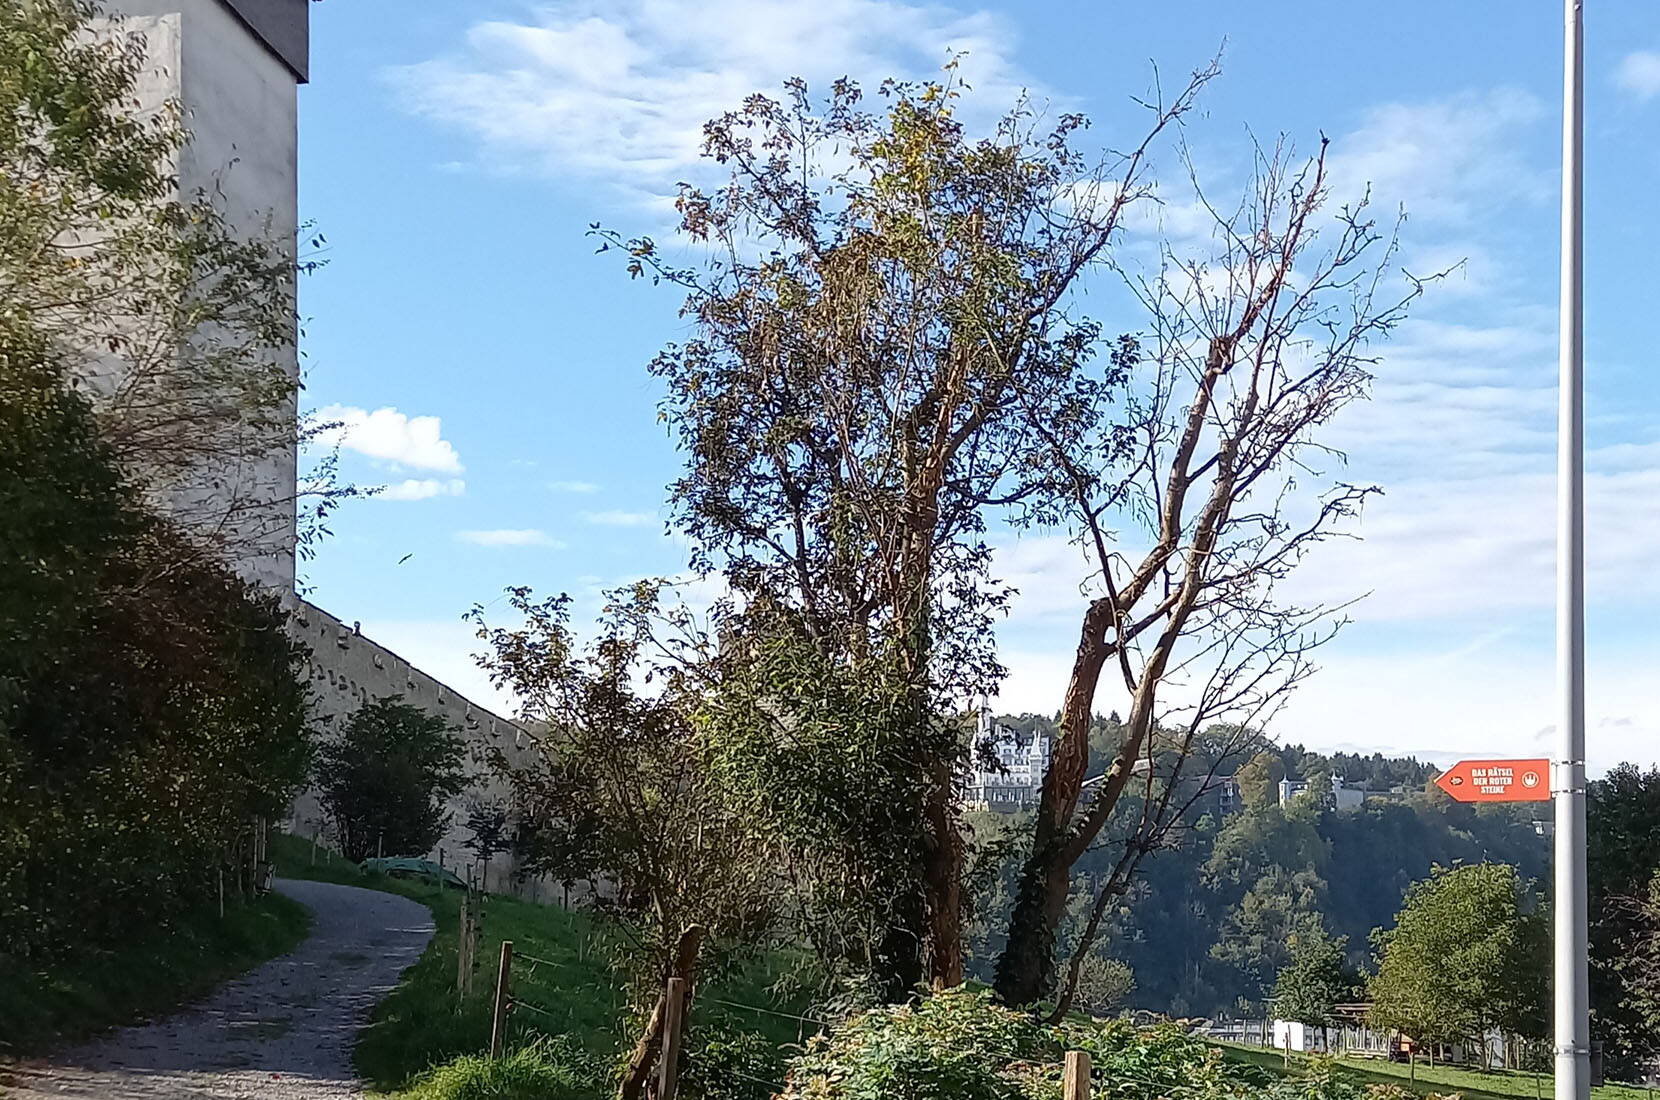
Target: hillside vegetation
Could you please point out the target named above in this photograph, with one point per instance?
(1206, 925)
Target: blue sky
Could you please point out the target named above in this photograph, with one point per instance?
(492, 368)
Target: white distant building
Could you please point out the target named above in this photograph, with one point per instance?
(1344, 797)
(1015, 781)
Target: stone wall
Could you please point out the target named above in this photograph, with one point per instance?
(348, 669)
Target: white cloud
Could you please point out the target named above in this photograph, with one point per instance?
(620, 91)
(1446, 160)
(389, 435)
(1639, 74)
(526, 536)
(573, 487)
(422, 489)
(616, 518)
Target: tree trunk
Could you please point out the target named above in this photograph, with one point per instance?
(644, 1056)
(942, 881)
(1026, 969)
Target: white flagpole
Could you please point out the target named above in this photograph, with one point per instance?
(1573, 1032)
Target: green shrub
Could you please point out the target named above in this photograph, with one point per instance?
(546, 1070)
(723, 1063)
(962, 1046)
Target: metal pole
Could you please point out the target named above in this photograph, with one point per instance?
(1573, 1038)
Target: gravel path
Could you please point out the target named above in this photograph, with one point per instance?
(283, 1031)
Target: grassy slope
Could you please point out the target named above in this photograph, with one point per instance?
(1471, 1084)
(148, 975)
(419, 1024)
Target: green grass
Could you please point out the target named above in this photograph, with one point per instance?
(1469, 1083)
(575, 985)
(150, 974)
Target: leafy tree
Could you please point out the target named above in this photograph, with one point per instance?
(149, 702)
(488, 829)
(176, 322)
(621, 785)
(386, 781)
(1103, 985)
(1469, 952)
(1623, 852)
(1639, 969)
(1315, 981)
(885, 316)
(1259, 780)
(1258, 935)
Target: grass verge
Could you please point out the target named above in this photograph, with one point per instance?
(1440, 1080)
(573, 991)
(152, 973)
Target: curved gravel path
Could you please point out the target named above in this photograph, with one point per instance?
(283, 1031)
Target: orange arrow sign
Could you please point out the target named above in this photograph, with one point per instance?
(1497, 781)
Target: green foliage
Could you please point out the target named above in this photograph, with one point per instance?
(581, 988)
(152, 292)
(959, 1044)
(1623, 850)
(386, 781)
(1315, 981)
(149, 708)
(542, 1070)
(1243, 882)
(1103, 985)
(621, 784)
(726, 1063)
(1469, 952)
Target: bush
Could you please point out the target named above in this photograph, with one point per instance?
(960, 1045)
(726, 1064)
(149, 702)
(545, 1070)
(387, 781)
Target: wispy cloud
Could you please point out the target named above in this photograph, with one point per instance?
(422, 489)
(620, 91)
(389, 435)
(1443, 160)
(1638, 74)
(512, 536)
(573, 487)
(616, 518)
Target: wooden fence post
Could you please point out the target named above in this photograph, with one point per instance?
(1075, 1081)
(463, 946)
(498, 1024)
(674, 1016)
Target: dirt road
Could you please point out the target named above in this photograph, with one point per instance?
(283, 1031)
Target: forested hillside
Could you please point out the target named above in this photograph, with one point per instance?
(1205, 926)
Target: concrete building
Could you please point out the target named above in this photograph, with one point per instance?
(235, 66)
(1015, 780)
(1344, 797)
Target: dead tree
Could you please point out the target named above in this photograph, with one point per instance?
(1203, 457)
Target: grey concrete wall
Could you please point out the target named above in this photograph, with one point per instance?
(241, 106)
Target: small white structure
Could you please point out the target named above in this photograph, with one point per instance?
(1344, 797)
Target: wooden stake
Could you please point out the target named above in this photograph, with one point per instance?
(498, 1024)
(1075, 1081)
(462, 939)
(674, 1015)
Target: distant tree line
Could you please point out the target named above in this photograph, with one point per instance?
(1212, 920)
